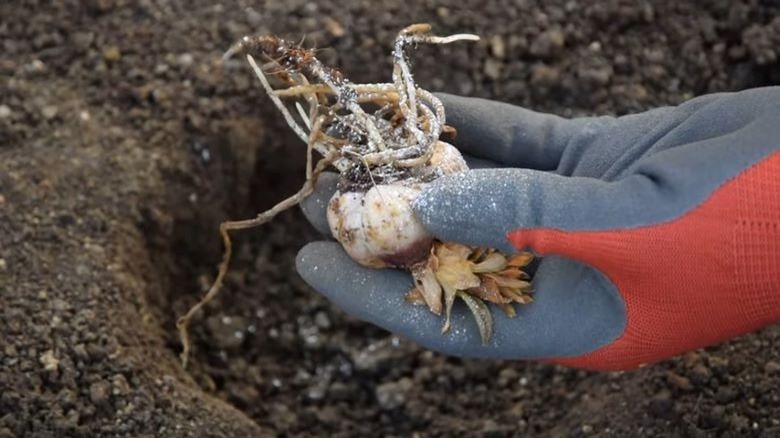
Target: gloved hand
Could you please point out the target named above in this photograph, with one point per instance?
(660, 231)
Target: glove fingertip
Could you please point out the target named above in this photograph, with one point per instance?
(464, 208)
(429, 206)
(315, 206)
(309, 259)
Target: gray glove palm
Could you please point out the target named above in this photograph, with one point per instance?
(588, 189)
(571, 317)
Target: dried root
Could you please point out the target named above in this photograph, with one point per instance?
(182, 324)
(375, 134)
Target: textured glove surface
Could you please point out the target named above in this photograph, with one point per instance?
(662, 230)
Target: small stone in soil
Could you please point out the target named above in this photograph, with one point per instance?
(99, 392)
(661, 404)
(392, 395)
(771, 367)
(700, 374)
(678, 381)
(49, 361)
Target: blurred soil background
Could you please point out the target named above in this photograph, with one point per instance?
(124, 142)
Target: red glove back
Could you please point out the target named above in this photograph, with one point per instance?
(709, 275)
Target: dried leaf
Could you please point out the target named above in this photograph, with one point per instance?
(520, 260)
(494, 262)
(478, 253)
(481, 315)
(513, 283)
(429, 288)
(509, 310)
(515, 295)
(488, 291)
(478, 276)
(454, 270)
(513, 273)
(457, 275)
(433, 262)
(431, 292)
(452, 251)
(415, 297)
(449, 300)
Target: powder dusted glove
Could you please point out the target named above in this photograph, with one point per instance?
(660, 231)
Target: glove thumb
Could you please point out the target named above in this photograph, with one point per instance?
(512, 209)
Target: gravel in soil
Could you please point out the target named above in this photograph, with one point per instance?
(124, 142)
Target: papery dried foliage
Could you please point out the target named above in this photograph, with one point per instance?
(477, 276)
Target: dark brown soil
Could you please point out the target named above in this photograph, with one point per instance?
(123, 143)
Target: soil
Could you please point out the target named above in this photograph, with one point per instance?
(124, 142)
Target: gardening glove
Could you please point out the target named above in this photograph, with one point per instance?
(660, 231)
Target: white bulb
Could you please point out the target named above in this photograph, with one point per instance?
(378, 227)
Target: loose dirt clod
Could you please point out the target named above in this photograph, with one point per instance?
(383, 139)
